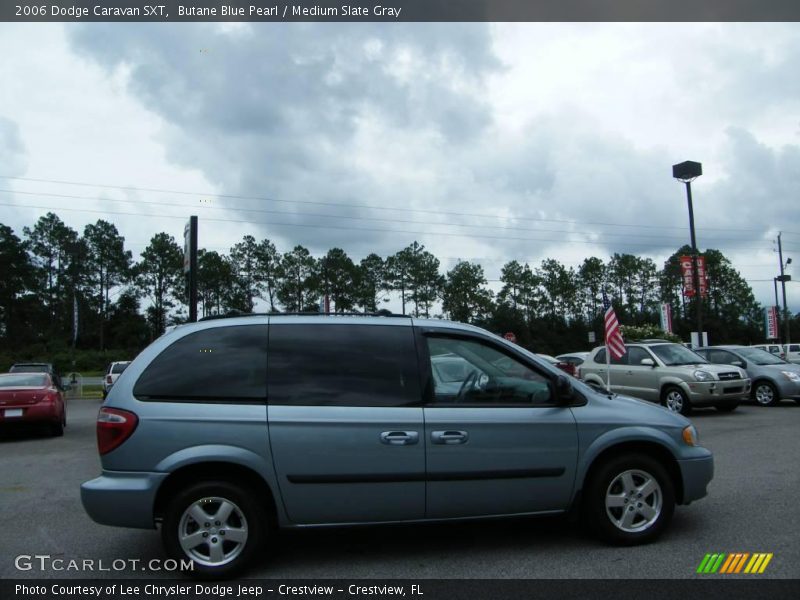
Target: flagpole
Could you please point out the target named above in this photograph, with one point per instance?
(608, 366)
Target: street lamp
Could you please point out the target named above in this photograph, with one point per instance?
(687, 172)
(783, 278)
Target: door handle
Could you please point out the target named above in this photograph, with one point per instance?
(449, 437)
(399, 438)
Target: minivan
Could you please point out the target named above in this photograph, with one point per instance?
(223, 430)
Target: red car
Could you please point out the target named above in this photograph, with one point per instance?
(32, 398)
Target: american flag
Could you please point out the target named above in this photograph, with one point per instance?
(614, 341)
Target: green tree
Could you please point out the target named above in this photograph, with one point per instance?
(244, 261)
(108, 264)
(298, 287)
(268, 264)
(425, 281)
(591, 275)
(215, 283)
(370, 283)
(159, 276)
(560, 288)
(398, 274)
(15, 283)
(520, 291)
(337, 275)
(465, 296)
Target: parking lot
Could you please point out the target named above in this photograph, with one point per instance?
(751, 507)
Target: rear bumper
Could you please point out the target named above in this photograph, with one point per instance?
(122, 498)
(718, 392)
(32, 413)
(696, 474)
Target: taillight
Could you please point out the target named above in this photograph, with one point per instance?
(108, 379)
(114, 426)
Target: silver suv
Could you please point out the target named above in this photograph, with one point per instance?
(669, 374)
(223, 430)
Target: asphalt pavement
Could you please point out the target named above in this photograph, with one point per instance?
(751, 507)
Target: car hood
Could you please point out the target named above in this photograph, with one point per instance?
(646, 412)
(785, 367)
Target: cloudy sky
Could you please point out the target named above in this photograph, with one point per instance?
(487, 142)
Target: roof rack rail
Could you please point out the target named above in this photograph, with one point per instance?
(235, 314)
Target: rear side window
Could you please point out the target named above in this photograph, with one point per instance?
(119, 368)
(794, 348)
(343, 365)
(600, 357)
(223, 364)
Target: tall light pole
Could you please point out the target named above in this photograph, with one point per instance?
(687, 172)
(783, 279)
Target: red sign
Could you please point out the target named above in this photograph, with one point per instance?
(687, 274)
(772, 322)
(510, 337)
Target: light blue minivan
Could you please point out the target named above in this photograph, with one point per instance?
(223, 430)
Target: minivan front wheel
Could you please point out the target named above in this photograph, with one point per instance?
(630, 500)
(217, 525)
(676, 400)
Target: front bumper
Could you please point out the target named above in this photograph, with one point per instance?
(696, 474)
(710, 393)
(122, 498)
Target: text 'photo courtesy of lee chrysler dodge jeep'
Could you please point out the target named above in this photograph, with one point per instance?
(669, 374)
(224, 430)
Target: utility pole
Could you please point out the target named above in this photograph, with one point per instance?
(787, 339)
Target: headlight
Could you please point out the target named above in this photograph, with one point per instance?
(703, 376)
(690, 435)
(791, 376)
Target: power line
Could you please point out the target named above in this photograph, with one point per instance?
(348, 217)
(356, 205)
(337, 227)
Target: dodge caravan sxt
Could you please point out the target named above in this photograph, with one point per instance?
(223, 430)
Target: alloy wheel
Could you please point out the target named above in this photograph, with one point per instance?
(634, 501)
(212, 531)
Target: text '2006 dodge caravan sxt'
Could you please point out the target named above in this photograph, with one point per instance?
(225, 429)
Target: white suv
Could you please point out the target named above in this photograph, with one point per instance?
(112, 372)
(792, 352)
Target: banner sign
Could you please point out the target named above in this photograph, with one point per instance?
(666, 318)
(771, 322)
(687, 275)
(187, 246)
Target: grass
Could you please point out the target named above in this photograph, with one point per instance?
(88, 391)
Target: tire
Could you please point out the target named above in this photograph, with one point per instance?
(676, 400)
(219, 556)
(612, 484)
(765, 394)
(726, 408)
(57, 429)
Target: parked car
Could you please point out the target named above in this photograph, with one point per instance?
(576, 359)
(775, 349)
(39, 368)
(670, 374)
(560, 364)
(792, 353)
(224, 429)
(113, 371)
(32, 398)
(773, 378)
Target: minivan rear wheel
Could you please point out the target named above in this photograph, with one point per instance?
(630, 500)
(676, 400)
(217, 525)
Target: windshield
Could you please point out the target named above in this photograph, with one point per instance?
(761, 357)
(675, 354)
(24, 380)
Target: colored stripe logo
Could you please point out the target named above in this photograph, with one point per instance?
(736, 562)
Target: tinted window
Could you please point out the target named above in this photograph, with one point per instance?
(719, 357)
(23, 380)
(470, 372)
(636, 355)
(119, 368)
(343, 365)
(219, 364)
(794, 347)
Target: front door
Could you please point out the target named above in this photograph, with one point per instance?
(496, 441)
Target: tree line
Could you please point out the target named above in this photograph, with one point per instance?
(550, 307)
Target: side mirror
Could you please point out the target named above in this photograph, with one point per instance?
(739, 363)
(647, 362)
(564, 388)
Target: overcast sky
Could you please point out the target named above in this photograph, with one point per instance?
(488, 142)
